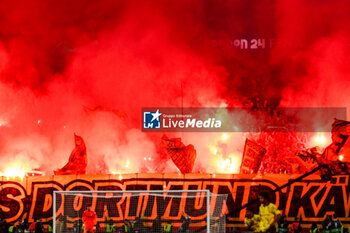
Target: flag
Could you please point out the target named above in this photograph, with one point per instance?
(77, 161)
(309, 157)
(339, 149)
(182, 156)
(252, 156)
(337, 155)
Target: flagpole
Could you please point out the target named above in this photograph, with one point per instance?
(327, 176)
(278, 189)
(182, 100)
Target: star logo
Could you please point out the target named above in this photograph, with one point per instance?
(151, 120)
(156, 115)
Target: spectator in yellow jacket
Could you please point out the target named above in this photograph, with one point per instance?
(269, 214)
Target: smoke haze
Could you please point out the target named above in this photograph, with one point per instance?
(88, 67)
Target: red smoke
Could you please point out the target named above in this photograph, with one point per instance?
(89, 67)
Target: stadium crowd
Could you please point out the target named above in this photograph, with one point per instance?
(261, 222)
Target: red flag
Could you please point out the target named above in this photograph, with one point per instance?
(182, 156)
(77, 160)
(309, 157)
(252, 156)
